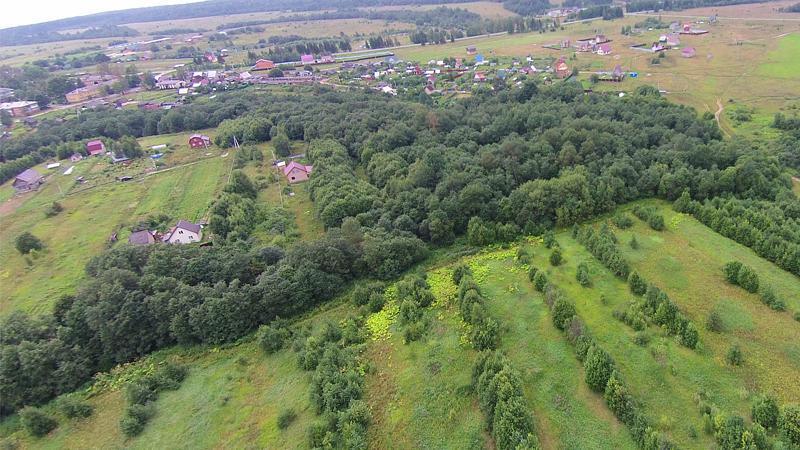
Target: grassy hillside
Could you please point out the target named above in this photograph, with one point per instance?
(420, 393)
(230, 399)
(92, 212)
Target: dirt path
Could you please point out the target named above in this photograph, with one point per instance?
(717, 114)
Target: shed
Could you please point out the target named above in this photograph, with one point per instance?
(28, 180)
(199, 141)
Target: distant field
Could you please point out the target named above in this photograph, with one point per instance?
(489, 10)
(90, 216)
(783, 62)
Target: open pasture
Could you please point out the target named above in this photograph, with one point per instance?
(93, 211)
(231, 398)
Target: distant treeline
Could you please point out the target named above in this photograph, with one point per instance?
(292, 51)
(527, 7)
(441, 16)
(47, 31)
(24, 36)
(673, 5)
(585, 3)
(793, 8)
(606, 12)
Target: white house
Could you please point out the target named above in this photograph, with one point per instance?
(184, 233)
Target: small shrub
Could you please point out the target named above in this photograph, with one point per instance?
(53, 210)
(549, 239)
(622, 221)
(563, 310)
(135, 419)
(272, 338)
(555, 257)
(789, 422)
(582, 275)
(748, 279)
(376, 301)
(714, 322)
(74, 408)
(797, 316)
(765, 411)
(772, 300)
(734, 356)
(285, 418)
(637, 284)
(415, 331)
(641, 338)
(36, 421)
(598, 366)
(731, 270)
(532, 273)
(634, 243)
(540, 281)
(27, 242)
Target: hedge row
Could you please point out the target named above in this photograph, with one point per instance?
(143, 392)
(337, 385)
(600, 368)
(602, 244)
(499, 388)
(659, 309)
(744, 276)
(484, 331)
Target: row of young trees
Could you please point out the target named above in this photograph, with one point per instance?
(499, 389)
(602, 244)
(601, 374)
(770, 228)
(661, 310)
(744, 276)
(337, 384)
(495, 381)
(483, 329)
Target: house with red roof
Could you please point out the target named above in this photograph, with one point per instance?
(307, 59)
(199, 141)
(688, 52)
(296, 172)
(561, 69)
(263, 64)
(95, 147)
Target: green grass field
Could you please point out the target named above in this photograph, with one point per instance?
(92, 212)
(419, 393)
(230, 399)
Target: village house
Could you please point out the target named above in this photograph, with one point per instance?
(688, 52)
(184, 233)
(471, 50)
(95, 147)
(617, 75)
(199, 141)
(20, 109)
(296, 172)
(479, 77)
(76, 157)
(327, 58)
(170, 84)
(603, 49)
(307, 59)
(29, 180)
(143, 237)
(561, 69)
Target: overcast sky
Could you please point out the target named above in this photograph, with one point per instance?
(24, 12)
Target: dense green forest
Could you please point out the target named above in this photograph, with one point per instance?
(491, 167)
